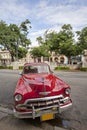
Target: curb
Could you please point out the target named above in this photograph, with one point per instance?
(6, 110)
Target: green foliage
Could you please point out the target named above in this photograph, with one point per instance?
(13, 36)
(66, 43)
(62, 68)
(61, 42)
(14, 39)
(6, 67)
(10, 67)
(2, 67)
(23, 26)
(20, 67)
(82, 39)
(65, 68)
(22, 52)
(40, 40)
(40, 51)
(51, 41)
(83, 69)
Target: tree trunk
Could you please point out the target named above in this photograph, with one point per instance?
(12, 58)
(69, 60)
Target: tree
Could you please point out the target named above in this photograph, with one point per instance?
(40, 40)
(50, 41)
(82, 39)
(61, 42)
(13, 37)
(22, 52)
(39, 51)
(66, 42)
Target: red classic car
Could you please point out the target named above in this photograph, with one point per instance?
(39, 93)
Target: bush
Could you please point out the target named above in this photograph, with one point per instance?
(83, 69)
(2, 67)
(61, 68)
(10, 67)
(6, 67)
(20, 67)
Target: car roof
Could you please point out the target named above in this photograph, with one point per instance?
(35, 63)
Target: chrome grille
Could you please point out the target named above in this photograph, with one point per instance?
(44, 102)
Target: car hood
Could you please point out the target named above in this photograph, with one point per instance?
(39, 85)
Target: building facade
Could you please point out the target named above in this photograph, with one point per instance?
(5, 57)
(84, 58)
(54, 59)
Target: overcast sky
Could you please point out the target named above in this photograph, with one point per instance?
(45, 14)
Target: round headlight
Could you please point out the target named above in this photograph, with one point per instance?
(18, 97)
(67, 91)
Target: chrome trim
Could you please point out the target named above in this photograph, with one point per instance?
(64, 108)
(38, 100)
(34, 115)
(44, 98)
(54, 104)
(65, 99)
(25, 105)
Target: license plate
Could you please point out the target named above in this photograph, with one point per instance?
(47, 116)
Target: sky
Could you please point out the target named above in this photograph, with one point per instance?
(44, 15)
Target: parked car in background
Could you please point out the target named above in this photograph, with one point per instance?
(39, 93)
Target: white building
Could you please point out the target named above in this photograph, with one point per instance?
(84, 59)
(5, 57)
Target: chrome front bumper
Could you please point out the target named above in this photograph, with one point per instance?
(39, 106)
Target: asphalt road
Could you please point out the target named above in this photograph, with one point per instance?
(73, 119)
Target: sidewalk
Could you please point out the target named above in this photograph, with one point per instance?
(9, 71)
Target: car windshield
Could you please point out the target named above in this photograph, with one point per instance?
(36, 69)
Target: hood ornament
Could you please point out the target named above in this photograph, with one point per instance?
(44, 92)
